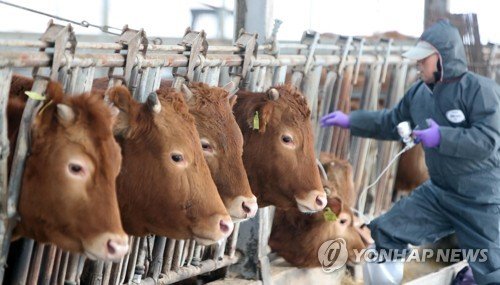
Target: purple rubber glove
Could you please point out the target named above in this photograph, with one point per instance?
(337, 118)
(430, 137)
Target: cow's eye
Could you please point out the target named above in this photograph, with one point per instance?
(343, 221)
(206, 146)
(328, 191)
(75, 168)
(287, 139)
(177, 158)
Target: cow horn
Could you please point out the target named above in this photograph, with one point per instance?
(114, 110)
(188, 94)
(106, 98)
(273, 94)
(65, 113)
(231, 88)
(153, 102)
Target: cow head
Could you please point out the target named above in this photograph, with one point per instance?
(298, 237)
(278, 149)
(165, 187)
(341, 199)
(222, 145)
(340, 177)
(68, 194)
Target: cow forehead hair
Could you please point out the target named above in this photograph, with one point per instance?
(293, 99)
(174, 99)
(207, 95)
(92, 113)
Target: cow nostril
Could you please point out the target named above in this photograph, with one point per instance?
(111, 247)
(224, 227)
(246, 209)
(319, 201)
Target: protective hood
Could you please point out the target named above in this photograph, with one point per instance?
(446, 39)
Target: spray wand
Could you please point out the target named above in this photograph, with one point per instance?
(404, 131)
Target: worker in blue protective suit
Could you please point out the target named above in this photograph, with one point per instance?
(458, 116)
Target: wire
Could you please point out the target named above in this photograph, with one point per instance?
(322, 170)
(85, 24)
(359, 210)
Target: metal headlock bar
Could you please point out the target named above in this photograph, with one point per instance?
(56, 37)
(130, 40)
(247, 47)
(195, 43)
(326, 78)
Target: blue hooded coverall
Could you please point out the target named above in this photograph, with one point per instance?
(463, 193)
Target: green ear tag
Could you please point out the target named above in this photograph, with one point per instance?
(329, 215)
(35, 96)
(256, 123)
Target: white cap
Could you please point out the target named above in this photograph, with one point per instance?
(420, 51)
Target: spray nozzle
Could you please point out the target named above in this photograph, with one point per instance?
(405, 131)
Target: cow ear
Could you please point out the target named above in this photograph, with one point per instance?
(261, 117)
(54, 92)
(120, 97)
(335, 204)
(121, 102)
(325, 158)
(266, 115)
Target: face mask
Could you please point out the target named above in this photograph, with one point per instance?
(438, 73)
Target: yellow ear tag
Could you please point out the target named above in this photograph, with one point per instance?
(329, 215)
(35, 96)
(256, 123)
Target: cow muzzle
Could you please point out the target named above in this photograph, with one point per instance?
(314, 201)
(106, 247)
(242, 208)
(213, 229)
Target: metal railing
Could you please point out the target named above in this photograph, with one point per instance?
(346, 69)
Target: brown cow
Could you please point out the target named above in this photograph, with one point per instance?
(339, 173)
(412, 170)
(297, 237)
(165, 187)
(222, 145)
(68, 188)
(278, 149)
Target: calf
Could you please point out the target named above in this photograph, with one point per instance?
(297, 237)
